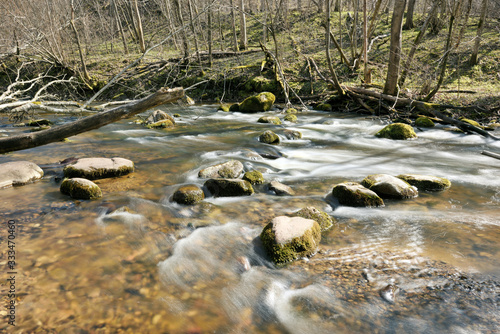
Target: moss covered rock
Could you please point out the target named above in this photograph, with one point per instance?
(159, 115)
(323, 107)
(289, 238)
(229, 187)
(398, 131)
(38, 122)
(269, 137)
(424, 122)
(388, 186)
(99, 168)
(354, 194)
(224, 107)
(261, 102)
(17, 173)
(270, 119)
(291, 111)
(166, 123)
(227, 170)
(280, 189)
(260, 84)
(254, 177)
(79, 188)
(190, 194)
(292, 134)
(324, 220)
(234, 107)
(291, 118)
(426, 182)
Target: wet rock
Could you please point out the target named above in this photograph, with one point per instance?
(261, 102)
(161, 124)
(188, 195)
(291, 111)
(292, 134)
(324, 220)
(389, 292)
(254, 177)
(99, 168)
(17, 173)
(269, 137)
(234, 107)
(39, 122)
(424, 122)
(398, 131)
(79, 188)
(270, 119)
(159, 115)
(289, 238)
(280, 189)
(227, 170)
(291, 118)
(323, 107)
(224, 107)
(354, 194)
(229, 187)
(426, 182)
(388, 186)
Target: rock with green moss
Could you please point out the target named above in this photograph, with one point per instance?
(471, 122)
(354, 194)
(79, 188)
(291, 111)
(324, 220)
(260, 84)
(291, 118)
(323, 107)
(158, 116)
(424, 122)
(38, 122)
(426, 182)
(99, 168)
(254, 177)
(229, 187)
(234, 107)
(227, 170)
(269, 137)
(270, 119)
(289, 238)
(261, 102)
(388, 186)
(397, 131)
(176, 115)
(292, 134)
(224, 107)
(161, 124)
(188, 195)
(280, 189)
(18, 173)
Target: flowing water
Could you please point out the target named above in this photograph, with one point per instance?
(136, 262)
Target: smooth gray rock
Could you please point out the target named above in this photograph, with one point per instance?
(99, 168)
(79, 188)
(16, 173)
(280, 189)
(388, 186)
(426, 182)
(354, 194)
(227, 170)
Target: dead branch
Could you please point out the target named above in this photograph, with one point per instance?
(491, 154)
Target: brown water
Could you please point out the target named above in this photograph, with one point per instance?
(135, 262)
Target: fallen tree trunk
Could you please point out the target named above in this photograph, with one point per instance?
(491, 154)
(34, 139)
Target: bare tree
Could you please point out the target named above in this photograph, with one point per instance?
(409, 15)
(140, 33)
(473, 59)
(391, 82)
(243, 27)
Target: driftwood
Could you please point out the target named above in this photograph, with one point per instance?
(34, 139)
(491, 154)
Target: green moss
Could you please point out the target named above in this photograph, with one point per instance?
(270, 119)
(291, 118)
(261, 102)
(354, 194)
(427, 183)
(324, 220)
(39, 122)
(176, 115)
(78, 189)
(254, 177)
(397, 131)
(190, 194)
(323, 107)
(424, 122)
(96, 173)
(269, 137)
(166, 123)
(224, 107)
(260, 84)
(471, 122)
(291, 111)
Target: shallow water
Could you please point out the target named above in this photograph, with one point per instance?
(156, 266)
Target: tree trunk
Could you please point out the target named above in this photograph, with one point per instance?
(120, 27)
(140, 33)
(473, 59)
(185, 44)
(210, 37)
(409, 15)
(366, 73)
(243, 28)
(328, 57)
(85, 73)
(233, 26)
(391, 82)
(191, 24)
(34, 139)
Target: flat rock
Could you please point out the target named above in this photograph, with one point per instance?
(229, 187)
(354, 194)
(79, 188)
(17, 173)
(426, 182)
(99, 168)
(388, 186)
(280, 189)
(227, 170)
(324, 220)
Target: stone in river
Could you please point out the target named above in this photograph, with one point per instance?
(354, 194)
(261, 102)
(99, 168)
(398, 131)
(280, 189)
(79, 188)
(254, 177)
(270, 119)
(16, 173)
(269, 137)
(227, 170)
(189, 194)
(426, 182)
(388, 186)
(324, 220)
(229, 187)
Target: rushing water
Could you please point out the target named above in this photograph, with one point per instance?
(135, 262)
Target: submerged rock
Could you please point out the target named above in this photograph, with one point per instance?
(289, 238)
(159, 115)
(229, 187)
(324, 220)
(99, 168)
(388, 186)
(261, 102)
(254, 177)
(79, 188)
(190, 194)
(161, 124)
(270, 119)
(227, 170)
(17, 173)
(292, 134)
(269, 137)
(426, 182)
(398, 131)
(354, 194)
(280, 189)
(424, 122)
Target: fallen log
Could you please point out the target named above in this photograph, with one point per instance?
(34, 139)
(491, 154)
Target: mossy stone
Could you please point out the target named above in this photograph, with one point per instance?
(234, 107)
(224, 107)
(261, 102)
(269, 137)
(254, 177)
(292, 134)
(424, 122)
(229, 187)
(388, 186)
(99, 168)
(354, 194)
(426, 182)
(159, 115)
(270, 119)
(166, 123)
(260, 84)
(291, 118)
(398, 131)
(323, 107)
(471, 122)
(291, 111)
(227, 170)
(39, 122)
(289, 238)
(190, 194)
(79, 188)
(324, 220)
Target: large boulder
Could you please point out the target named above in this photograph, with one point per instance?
(79, 188)
(261, 102)
(229, 187)
(17, 173)
(397, 131)
(254, 177)
(190, 194)
(289, 238)
(354, 194)
(227, 170)
(388, 186)
(280, 189)
(426, 182)
(269, 137)
(324, 220)
(99, 168)
(424, 122)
